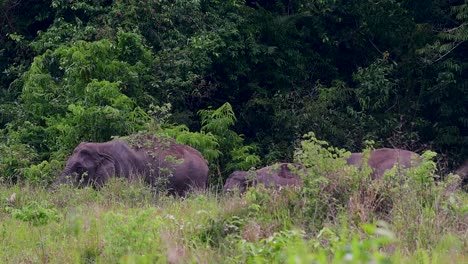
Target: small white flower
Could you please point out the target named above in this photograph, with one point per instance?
(170, 217)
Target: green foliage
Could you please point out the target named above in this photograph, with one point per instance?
(206, 143)
(20, 20)
(291, 247)
(43, 173)
(127, 223)
(103, 112)
(274, 248)
(444, 91)
(222, 147)
(348, 70)
(14, 157)
(329, 110)
(235, 155)
(35, 213)
(373, 84)
(126, 234)
(87, 91)
(328, 183)
(354, 249)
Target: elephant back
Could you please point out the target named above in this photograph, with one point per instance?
(184, 166)
(281, 174)
(383, 159)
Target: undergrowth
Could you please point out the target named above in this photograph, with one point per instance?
(338, 216)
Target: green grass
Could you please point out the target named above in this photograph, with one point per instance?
(129, 223)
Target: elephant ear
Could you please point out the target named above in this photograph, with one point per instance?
(105, 170)
(243, 185)
(90, 156)
(103, 164)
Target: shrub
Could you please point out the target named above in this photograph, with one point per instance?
(84, 91)
(328, 183)
(43, 173)
(36, 213)
(13, 158)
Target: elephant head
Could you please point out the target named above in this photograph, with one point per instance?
(237, 180)
(88, 165)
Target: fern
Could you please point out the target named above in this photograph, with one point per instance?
(219, 120)
(236, 155)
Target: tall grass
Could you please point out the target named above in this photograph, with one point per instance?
(129, 224)
(338, 216)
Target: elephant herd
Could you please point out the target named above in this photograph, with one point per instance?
(287, 174)
(181, 168)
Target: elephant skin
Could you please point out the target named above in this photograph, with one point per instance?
(144, 157)
(462, 171)
(274, 176)
(383, 159)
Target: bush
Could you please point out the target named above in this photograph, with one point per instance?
(419, 206)
(14, 158)
(328, 183)
(43, 173)
(35, 213)
(84, 91)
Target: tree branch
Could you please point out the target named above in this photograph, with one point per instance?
(451, 29)
(454, 47)
(377, 48)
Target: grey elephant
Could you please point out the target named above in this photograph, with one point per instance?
(383, 159)
(143, 157)
(274, 176)
(462, 171)
(380, 160)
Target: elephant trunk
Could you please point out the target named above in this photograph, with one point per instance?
(63, 178)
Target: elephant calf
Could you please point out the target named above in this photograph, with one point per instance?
(272, 176)
(143, 157)
(384, 159)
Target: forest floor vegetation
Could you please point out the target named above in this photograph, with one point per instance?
(130, 223)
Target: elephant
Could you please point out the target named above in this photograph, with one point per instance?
(462, 171)
(277, 175)
(380, 160)
(143, 157)
(383, 159)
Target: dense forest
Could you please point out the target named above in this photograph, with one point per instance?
(247, 83)
(242, 81)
